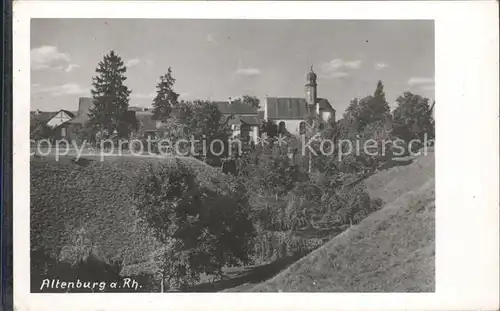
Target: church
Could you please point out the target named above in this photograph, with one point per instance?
(290, 114)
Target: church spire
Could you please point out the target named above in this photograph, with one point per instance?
(311, 77)
(311, 88)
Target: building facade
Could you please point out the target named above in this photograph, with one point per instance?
(243, 119)
(291, 114)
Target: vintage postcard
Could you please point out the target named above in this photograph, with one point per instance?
(203, 155)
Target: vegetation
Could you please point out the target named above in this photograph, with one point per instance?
(252, 101)
(110, 97)
(413, 118)
(178, 222)
(39, 130)
(199, 229)
(165, 99)
(391, 250)
(92, 202)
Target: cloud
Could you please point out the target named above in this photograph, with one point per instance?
(335, 74)
(353, 64)
(47, 56)
(420, 80)
(65, 89)
(338, 67)
(339, 63)
(133, 62)
(380, 66)
(248, 72)
(71, 67)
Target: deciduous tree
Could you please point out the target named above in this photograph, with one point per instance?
(413, 117)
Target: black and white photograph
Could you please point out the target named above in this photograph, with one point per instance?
(225, 154)
(232, 155)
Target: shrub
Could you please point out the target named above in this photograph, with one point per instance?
(201, 229)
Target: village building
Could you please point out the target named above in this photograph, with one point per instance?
(290, 114)
(71, 128)
(52, 119)
(243, 119)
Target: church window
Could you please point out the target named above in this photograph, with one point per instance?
(282, 128)
(302, 128)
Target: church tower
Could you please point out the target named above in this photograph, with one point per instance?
(311, 89)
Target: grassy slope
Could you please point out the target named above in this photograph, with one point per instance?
(94, 195)
(390, 251)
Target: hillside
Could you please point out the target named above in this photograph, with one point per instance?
(392, 250)
(87, 205)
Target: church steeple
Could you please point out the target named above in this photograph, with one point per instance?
(311, 77)
(311, 87)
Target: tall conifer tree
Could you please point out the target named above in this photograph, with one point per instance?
(110, 95)
(166, 99)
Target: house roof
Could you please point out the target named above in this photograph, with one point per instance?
(286, 108)
(41, 116)
(324, 103)
(79, 119)
(84, 105)
(235, 108)
(249, 120)
(46, 116)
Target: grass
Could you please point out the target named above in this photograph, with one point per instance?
(392, 250)
(92, 196)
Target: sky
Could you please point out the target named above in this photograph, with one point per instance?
(219, 59)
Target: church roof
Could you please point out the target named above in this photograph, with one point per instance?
(324, 103)
(286, 108)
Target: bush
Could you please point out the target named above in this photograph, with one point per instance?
(201, 229)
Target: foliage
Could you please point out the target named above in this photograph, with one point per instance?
(413, 117)
(206, 129)
(166, 99)
(252, 101)
(391, 250)
(369, 109)
(172, 130)
(269, 128)
(110, 96)
(201, 230)
(39, 130)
